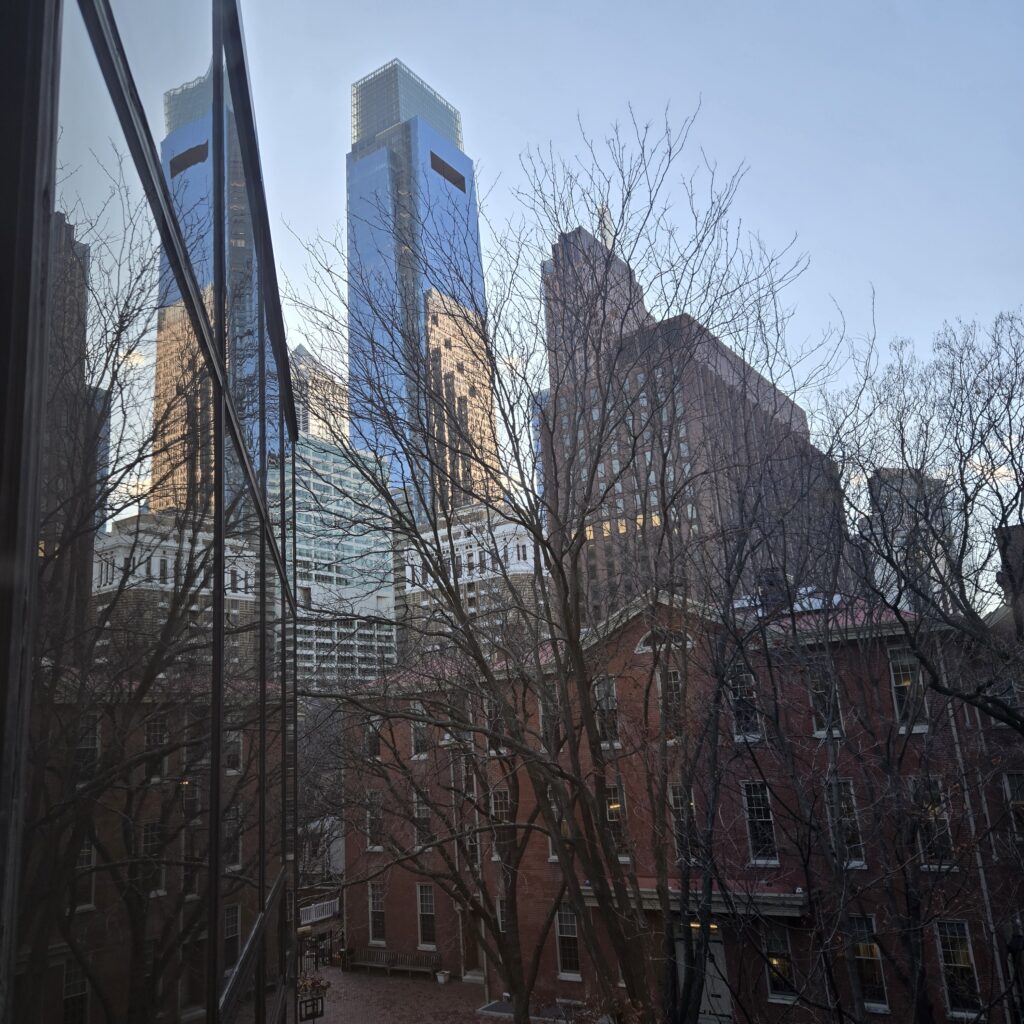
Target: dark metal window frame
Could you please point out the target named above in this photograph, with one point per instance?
(30, 54)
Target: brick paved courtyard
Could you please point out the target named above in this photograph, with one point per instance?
(361, 997)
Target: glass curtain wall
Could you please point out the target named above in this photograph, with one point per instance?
(154, 870)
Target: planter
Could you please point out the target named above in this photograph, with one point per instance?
(443, 977)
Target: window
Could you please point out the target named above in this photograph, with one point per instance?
(232, 934)
(683, 819)
(1015, 797)
(233, 750)
(846, 828)
(958, 975)
(373, 738)
(156, 742)
(672, 700)
(447, 172)
(192, 859)
(501, 906)
(375, 820)
(419, 732)
(493, 723)
(501, 818)
(867, 959)
(233, 838)
(606, 709)
(779, 958)
(425, 906)
(568, 942)
(908, 690)
(615, 813)
(743, 699)
(824, 700)
(421, 821)
(87, 748)
(934, 838)
(191, 797)
(151, 867)
(760, 826)
(375, 895)
(76, 993)
(198, 751)
(560, 824)
(83, 886)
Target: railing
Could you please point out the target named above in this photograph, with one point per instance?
(318, 911)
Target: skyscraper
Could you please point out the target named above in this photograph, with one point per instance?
(414, 264)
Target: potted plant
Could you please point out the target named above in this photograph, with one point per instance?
(311, 989)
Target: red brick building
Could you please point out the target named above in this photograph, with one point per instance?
(839, 834)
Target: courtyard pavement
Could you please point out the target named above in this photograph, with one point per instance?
(371, 997)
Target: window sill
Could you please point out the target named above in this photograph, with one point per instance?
(824, 734)
(378, 942)
(747, 738)
(856, 865)
(920, 727)
(157, 893)
(552, 860)
(624, 858)
(764, 863)
(611, 745)
(428, 947)
(569, 976)
(878, 1008)
(418, 757)
(85, 908)
(938, 868)
(782, 1000)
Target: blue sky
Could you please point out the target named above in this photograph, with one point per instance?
(888, 136)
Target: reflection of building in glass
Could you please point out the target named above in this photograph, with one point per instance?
(182, 462)
(412, 228)
(343, 568)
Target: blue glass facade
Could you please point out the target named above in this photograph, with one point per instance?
(412, 226)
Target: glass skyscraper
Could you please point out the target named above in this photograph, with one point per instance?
(413, 233)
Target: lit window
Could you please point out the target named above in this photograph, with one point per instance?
(568, 941)
(958, 975)
(867, 958)
(375, 896)
(615, 813)
(760, 825)
(425, 906)
(779, 958)
(908, 692)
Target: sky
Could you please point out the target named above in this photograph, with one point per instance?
(886, 136)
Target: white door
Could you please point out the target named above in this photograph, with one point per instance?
(716, 1003)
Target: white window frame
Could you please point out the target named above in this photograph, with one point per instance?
(619, 821)
(603, 706)
(1015, 803)
(421, 812)
(920, 723)
(425, 889)
(847, 788)
(375, 893)
(940, 790)
(89, 865)
(755, 860)
(374, 806)
(973, 1015)
(749, 683)
(859, 938)
(233, 814)
(233, 743)
(497, 825)
(418, 729)
(157, 722)
(670, 678)
(147, 856)
(820, 669)
(75, 985)
(562, 923)
(232, 930)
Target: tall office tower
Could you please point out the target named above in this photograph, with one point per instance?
(343, 572)
(909, 536)
(415, 285)
(182, 475)
(680, 459)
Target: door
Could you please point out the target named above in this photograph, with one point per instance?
(716, 1002)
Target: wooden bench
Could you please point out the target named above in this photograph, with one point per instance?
(427, 963)
(373, 957)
